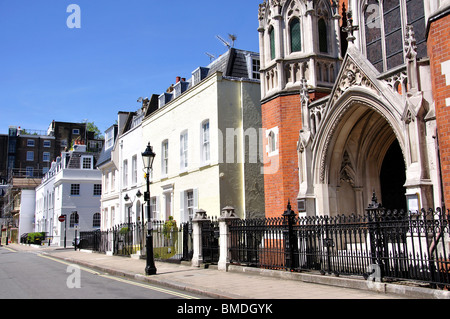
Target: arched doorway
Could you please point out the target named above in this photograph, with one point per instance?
(364, 156)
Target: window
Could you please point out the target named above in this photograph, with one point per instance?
(134, 170)
(153, 207)
(46, 157)
(165, 158)
(73, 219)
(384, 28)
(296, 42)
(96, 219)
(109, 139)
(323, 36)
(75, 189)
(30, 156)
(76, 131)
(272, 141)
(30, 143)
(86, 162)
(272, 43)
(190, 204)
(97, 189)
(29, 171)
(255, 69)
(184, 151)
(47, 143)
(113, 180)
(125, 174)
(205, 142)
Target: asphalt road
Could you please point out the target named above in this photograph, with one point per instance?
(30, 275)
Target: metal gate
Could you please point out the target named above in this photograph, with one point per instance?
(210, 241)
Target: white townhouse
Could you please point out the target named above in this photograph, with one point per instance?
(110, 191)
(72, 187)
(206, 134)
(122, 169)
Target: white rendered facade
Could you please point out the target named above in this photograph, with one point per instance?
(72, 187)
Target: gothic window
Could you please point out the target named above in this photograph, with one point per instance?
(296, 43)
(323, 40)
(416, 18)
(272, 42)
(373, 35)
(393, 33)
(385, 26)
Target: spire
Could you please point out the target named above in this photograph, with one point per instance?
(350, 28)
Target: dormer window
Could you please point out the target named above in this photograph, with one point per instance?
(199, 74)
(86, 162)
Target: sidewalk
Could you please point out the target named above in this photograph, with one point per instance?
(239, 282)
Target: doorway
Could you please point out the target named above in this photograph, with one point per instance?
(392, 179)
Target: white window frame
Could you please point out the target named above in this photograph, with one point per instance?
(134, 170)
(165, 158)
(97, 191)
(31, 143)
(75, 189)
(47, 143)
(188, 205)
(89, 161)
(30, 156)
(46, 157)
(125, 174)
(184, 150)
(205, 142)
(270, 142)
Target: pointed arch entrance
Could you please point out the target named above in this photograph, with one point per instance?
(363, 155)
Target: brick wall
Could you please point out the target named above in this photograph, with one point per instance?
(281, 181)
(439, 53)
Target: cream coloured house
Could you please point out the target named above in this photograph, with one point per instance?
(206, 136)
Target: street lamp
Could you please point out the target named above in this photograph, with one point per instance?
(148, 156)
(127, 198)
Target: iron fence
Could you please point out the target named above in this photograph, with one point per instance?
(393, 245)
(210, 241)
(169, 243)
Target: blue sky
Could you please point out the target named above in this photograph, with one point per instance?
(123, 50)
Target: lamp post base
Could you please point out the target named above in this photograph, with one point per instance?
(150, 269)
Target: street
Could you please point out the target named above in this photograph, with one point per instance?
(30, 275)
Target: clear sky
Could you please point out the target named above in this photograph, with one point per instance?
(122, 51)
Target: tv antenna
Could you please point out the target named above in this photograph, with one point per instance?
(211, 57)
(226, 43)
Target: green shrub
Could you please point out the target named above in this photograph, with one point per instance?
(35, 238)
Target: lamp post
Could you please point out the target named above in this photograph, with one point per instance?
(148, 156)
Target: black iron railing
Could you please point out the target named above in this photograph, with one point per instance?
(393, 245)
(169, 243)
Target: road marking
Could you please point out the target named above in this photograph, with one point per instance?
(147, 286)
(142, 285)
(10, 249)
(69, 263)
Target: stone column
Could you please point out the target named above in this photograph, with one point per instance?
(227, 215)
(199, 218)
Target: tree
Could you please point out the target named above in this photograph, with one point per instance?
(91, 127)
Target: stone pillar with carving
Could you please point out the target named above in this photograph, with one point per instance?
(226, 217)
(199, 218)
